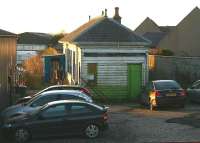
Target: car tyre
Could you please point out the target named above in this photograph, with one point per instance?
(92, 131)
(22, 135)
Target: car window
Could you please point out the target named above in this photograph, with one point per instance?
(167, 85)
(197, 86)
(196, 83)
(68, 97)
(41, 100)
(55, 111)
(79, 109)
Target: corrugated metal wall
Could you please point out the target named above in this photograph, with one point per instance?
(7, 65)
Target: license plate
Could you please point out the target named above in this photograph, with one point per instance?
(171, 94)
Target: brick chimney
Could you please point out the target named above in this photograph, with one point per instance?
(116, 16)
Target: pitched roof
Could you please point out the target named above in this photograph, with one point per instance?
(103, 29)
(148, 25)
(166, 29)
(187, 32)
(4, 33)
(154, 37)
(34, 38)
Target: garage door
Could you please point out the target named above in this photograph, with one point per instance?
(134, 79)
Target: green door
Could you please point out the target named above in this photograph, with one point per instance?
(134, 79)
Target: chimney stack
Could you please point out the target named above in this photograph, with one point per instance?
(116, 16)
(106, 13)
(102, 13)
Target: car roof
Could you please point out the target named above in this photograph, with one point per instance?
(63, 85)
(64, 101)
(62, 92)
(71, 101)
(163, 81)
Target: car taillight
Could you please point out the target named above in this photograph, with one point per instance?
(157, 93)
(183, 93)
(105, 116)
(85, 90)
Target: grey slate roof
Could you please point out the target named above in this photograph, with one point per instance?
(34, 38)
(154, 37)
(4, 33)
(103, 29)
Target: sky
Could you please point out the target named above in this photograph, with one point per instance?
(54, 16)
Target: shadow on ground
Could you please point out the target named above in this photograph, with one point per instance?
(191, 120)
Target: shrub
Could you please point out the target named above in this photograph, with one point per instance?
(34, 81)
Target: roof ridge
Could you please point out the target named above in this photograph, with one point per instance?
(128, 29)
(196, 9)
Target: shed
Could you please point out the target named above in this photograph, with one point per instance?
(7, 66)
(108, 57)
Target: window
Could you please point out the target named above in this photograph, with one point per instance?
(68, 97)
(41, 100)
(74, 64)
(69, 61)
(167, 85)
(92, 73)
(79, 109)
(197, 86)
(55, 111)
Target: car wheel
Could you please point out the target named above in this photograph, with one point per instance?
(92, 131)
(22, 135)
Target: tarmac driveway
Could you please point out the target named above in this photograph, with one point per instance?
(135, 124)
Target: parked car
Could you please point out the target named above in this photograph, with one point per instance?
(58, 118)
(163, 93)
(55, 87)
(194, 92)
(44, 98)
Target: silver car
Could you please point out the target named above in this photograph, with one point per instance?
(42, 99)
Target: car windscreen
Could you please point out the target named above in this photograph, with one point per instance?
(164, 85)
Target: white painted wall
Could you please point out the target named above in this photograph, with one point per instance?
(114, 70)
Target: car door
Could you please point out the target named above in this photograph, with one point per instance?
(79, 115)
(49, 122)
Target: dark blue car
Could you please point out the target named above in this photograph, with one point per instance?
(58, 118)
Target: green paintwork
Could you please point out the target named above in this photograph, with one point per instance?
(111, 92)
(134, 80)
